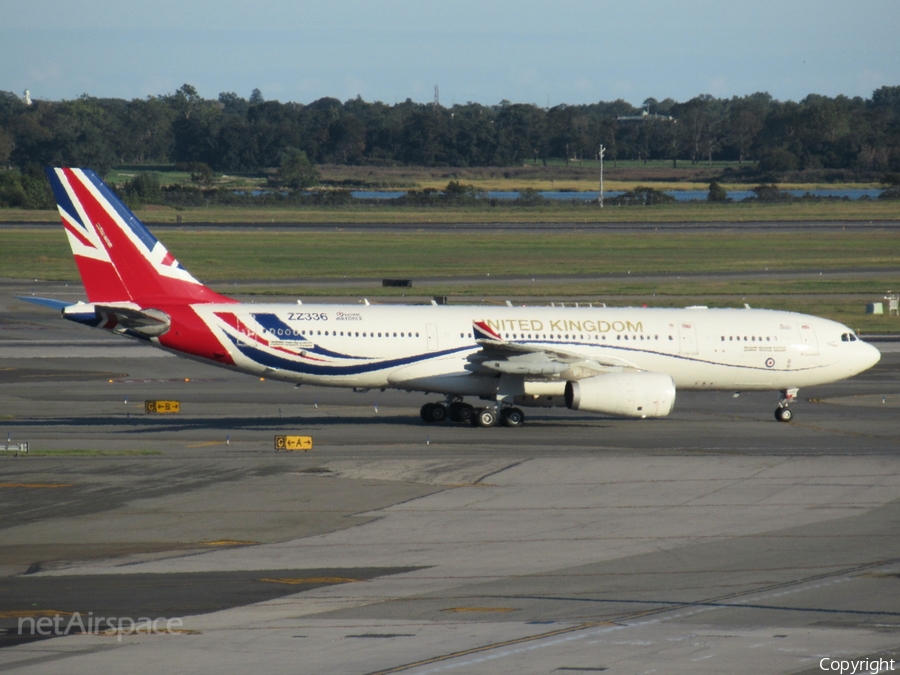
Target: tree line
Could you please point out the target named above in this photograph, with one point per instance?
(234, 134)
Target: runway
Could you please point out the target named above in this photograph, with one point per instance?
(715, 540)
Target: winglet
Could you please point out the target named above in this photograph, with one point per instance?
(483, 331)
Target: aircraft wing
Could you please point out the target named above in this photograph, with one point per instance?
(515, 358)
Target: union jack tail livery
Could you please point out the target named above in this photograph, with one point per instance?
(619, 361)
(118, 258)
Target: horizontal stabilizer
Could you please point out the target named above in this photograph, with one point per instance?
(44, 302)
(148, 322)
(122, 318)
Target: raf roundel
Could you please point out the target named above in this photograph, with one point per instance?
(770, 362)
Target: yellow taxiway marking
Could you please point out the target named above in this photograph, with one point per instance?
(480, 609)
(205, 444)
(312, 580)
(28, 613)
(35, 485)
(229, 542)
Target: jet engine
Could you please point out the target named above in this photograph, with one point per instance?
(629, 394)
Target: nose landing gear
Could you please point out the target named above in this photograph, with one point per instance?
(783, 413)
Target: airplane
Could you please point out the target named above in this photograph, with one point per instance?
(617, 361)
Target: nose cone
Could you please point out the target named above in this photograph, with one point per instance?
(868, 356)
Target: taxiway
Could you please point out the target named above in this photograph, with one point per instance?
(714, 540)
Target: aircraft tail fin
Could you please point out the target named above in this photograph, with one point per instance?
(118, 258)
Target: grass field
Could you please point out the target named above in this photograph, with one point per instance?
(286, 254)
(694, 212)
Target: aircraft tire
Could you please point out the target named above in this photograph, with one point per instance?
(512, 417)
(433, 412)
(437, 412)
(485, 417)
(460, 412)
(466, 412)
(784, 414)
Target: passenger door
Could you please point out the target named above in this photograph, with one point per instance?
(808, 340)
(687, 337)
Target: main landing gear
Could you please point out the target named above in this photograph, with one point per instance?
(783, 413)
(458, 411)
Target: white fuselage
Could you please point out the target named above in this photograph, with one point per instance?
(425, 348)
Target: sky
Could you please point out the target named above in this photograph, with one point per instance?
(543, 52)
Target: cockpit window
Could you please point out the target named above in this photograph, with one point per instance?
(848, 337)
